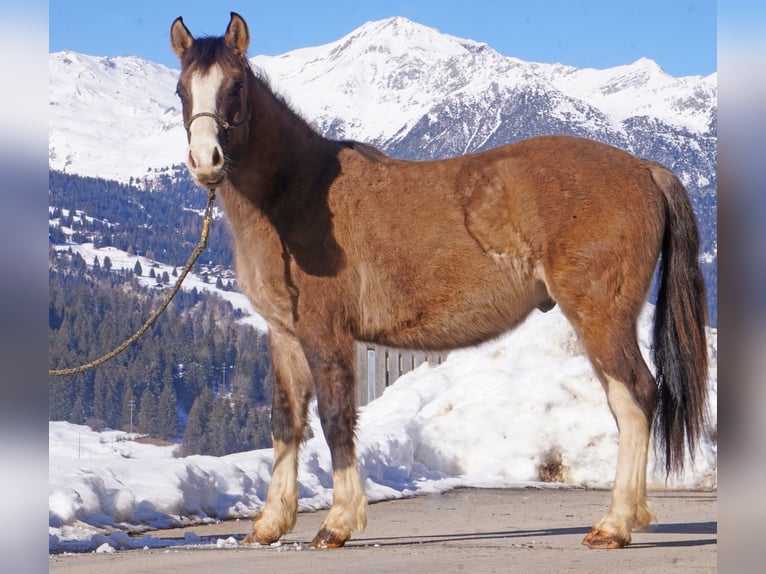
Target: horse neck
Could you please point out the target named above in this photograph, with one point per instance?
(282, 149)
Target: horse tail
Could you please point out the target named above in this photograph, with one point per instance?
(680, 348)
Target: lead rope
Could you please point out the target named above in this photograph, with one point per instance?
(192, 260)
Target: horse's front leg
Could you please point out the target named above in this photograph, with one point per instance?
(292, 392)
(332, 367)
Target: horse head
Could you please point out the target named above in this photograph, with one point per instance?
(213, 87)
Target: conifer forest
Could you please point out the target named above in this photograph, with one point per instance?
(198, 377)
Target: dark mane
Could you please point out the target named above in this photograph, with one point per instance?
(369, 152)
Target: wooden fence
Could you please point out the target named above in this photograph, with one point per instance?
(378, 367)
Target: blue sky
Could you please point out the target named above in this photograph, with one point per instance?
(680, 35)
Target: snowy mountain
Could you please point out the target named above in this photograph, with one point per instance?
(418, 93)
(402, 86)
(112, 117)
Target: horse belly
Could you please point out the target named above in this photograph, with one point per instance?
(447, 306)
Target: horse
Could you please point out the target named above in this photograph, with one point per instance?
(336, 242)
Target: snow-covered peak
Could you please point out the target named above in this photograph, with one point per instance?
(643, 88)
(398, 36)
(642, 71)
(382, 78)
(386, 54)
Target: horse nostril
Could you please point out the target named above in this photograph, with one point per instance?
(216, 157)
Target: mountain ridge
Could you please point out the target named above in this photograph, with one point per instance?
(374, 84)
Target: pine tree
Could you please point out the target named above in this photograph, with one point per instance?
(148, 413)
(258, 427)
(196, 440)
(107, 398)
(78, 412)
(237, 426)
(60, 399)
(167, 421)
(219, 428)
(137, 270)
(193, 383)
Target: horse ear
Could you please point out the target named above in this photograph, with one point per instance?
(180, 37)
(237, 35)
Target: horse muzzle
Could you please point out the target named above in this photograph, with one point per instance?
(206, 164)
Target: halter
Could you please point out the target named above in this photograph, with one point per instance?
(221, 121)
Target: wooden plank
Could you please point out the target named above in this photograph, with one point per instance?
(380, 371)
(394, 365)
(406, 362)
(371, 374)
(361, 374)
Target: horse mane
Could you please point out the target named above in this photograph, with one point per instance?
(368, 151)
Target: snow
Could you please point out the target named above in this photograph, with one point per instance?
(642, 89)
(486, 417)
(119, 117)
(114, 118)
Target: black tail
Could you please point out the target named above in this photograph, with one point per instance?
(680, 348)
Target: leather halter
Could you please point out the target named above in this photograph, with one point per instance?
(221, 121)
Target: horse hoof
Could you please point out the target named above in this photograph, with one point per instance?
(255, 538)
(600, 540)
(328, 539)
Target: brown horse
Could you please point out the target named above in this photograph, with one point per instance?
(335, 242)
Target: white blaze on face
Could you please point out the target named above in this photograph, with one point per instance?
(205, 153)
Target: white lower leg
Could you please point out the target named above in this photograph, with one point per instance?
(349, 507)
(628, 510)
(281, 510)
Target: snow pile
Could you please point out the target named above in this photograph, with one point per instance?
(488, 416)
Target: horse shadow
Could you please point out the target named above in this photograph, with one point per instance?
(692, 528)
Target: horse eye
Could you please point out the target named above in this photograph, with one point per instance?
(181, 92)
(236, 90)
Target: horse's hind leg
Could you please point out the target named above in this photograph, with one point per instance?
(332, 367)
(292, 392)
(631, 392)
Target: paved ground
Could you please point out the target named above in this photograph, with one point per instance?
(467, 530)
